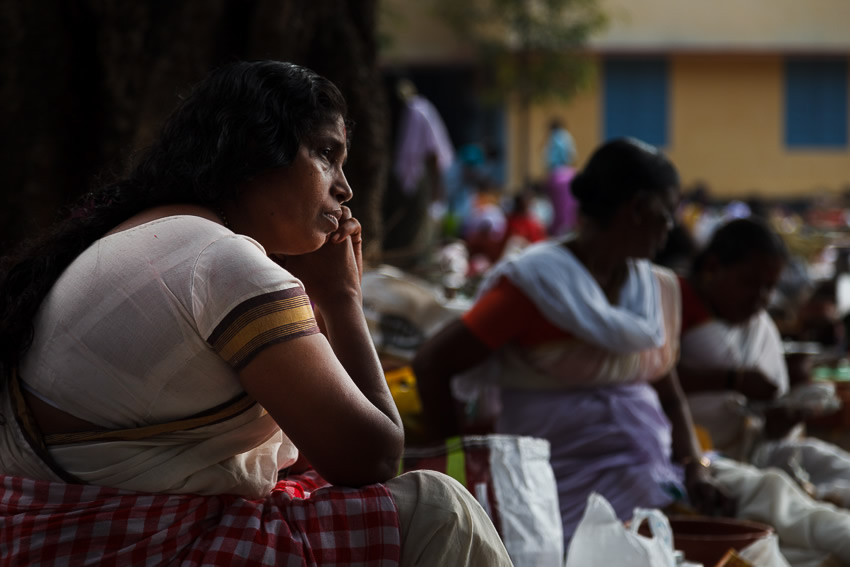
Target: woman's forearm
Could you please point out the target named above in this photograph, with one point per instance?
(451, 351)
(347, 331)
(686, 447)
(433, 384)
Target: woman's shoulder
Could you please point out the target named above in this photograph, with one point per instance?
(667, 278)
(662, 272)
(180, 235)
(188, 213)
(193, 230)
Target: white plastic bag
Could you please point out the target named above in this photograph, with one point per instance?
(764, 553)
(402, 311)
(602, 539)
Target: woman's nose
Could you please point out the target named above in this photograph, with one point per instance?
(669, 220)
(342, 191)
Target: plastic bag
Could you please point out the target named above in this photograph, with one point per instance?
(402, 311)
(602, 539)
(512, 479)
(764, 553)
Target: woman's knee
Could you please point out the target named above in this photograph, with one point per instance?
(437, 515)
(435, 492)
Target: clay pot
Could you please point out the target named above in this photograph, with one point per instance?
(706, 540)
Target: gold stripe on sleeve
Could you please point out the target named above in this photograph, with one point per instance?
(262, 325)
(261, 321)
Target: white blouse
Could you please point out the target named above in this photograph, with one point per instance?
(148, 326)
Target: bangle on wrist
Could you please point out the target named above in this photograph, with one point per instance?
(702, 462)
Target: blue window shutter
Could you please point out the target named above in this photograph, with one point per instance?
(636, 99)
(816, 102)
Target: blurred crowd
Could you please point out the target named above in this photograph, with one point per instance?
(811, 302)
(478, 220)
(536, 308)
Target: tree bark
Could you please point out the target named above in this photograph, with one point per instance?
(85, 82)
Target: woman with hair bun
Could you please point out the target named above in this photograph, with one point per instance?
(163, 367)
(585, 335)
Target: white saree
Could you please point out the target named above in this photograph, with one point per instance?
(735, 429)
(715, 344)
(148, 326)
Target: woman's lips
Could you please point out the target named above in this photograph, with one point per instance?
(333, 218)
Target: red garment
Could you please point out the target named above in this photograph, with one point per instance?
(302, 522)
(525, 226)
(694, 311)
(504, 314)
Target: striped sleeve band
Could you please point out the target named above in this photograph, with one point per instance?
(261, 321)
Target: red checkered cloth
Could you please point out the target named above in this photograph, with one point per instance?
(302, 522)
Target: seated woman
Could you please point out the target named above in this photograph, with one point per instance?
(584, 336)
(732, 360)
(161, 356)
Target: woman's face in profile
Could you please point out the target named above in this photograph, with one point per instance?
(294, 209)
(653, 215)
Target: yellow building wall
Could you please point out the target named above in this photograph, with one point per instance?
(760, 25)
(583, 116)
(416, 35)
(726, 113)
(726, 128)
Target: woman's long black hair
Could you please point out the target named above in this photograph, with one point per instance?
(241, 120)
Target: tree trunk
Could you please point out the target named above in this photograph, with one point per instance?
(86, 82)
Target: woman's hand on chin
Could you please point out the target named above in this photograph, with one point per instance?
(334, 271)
(350, 228)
